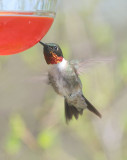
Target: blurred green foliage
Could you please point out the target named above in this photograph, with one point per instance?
(32, 58)
(102, 35)
(3, 59)
(123, 61)
(46, 138)
(17, 131)
(13, 145)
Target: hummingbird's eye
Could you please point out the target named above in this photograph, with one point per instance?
(55, 48)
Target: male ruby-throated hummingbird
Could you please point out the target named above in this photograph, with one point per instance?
(63, 77)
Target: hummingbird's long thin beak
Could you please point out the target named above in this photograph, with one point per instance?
(42, 43)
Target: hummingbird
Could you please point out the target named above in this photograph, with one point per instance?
(63, 77)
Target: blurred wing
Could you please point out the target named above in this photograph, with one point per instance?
(39, 78)
(86, 65)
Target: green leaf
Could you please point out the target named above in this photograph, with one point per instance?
(13, 144)
(17, 131)
(46, 139)
(17, 126)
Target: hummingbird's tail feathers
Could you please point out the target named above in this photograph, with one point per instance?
(71, 111)
(91, 108)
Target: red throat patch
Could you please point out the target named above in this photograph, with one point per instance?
(53, 58)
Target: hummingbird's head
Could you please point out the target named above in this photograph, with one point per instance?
(52, 53)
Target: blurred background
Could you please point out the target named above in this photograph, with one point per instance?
(32, 123)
